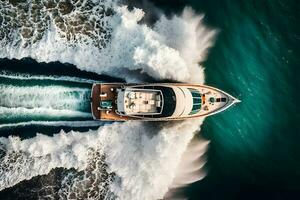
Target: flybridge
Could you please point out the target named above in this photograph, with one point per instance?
(135, 101)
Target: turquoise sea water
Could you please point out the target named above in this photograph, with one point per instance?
(254, 148)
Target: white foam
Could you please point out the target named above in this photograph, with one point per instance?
(191, 167)
(23, 76)
(37, 156)
(158, 52)
(138, 159)
(192, 39)
(54, 123)
(56, 97)
(37, 102)
(49, 113)
(144, 157)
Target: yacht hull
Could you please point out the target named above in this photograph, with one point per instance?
(108, 92)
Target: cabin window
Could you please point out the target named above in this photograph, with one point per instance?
(196, 107)
(195, 93)
(197, 101)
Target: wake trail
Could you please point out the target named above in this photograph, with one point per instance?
(22, 76)
(130, 160)
(27, 103)
(87, 123)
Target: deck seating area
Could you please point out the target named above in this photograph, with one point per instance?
(142, 102)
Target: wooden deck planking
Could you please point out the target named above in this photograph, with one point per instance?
(111, 95)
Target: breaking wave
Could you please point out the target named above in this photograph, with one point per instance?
(152, 156)
(104, 37)
(131, 160)
(22, 160)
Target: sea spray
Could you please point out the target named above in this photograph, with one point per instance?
(23, 159)
(142, 160)
(138, 160)
(152, 156)
(129, 45)
(191, 168)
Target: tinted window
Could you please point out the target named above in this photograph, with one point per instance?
(196, 94)
(196, 107)
(196, 100)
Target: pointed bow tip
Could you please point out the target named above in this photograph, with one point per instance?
(236, 100)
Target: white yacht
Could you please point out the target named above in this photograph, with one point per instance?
(157, 102)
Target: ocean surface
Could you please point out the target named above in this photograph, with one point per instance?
(52, 51)
(254, 151)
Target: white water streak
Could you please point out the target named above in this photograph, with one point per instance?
(54, 123)
(13, 113)
(22, 76)
(42, 101)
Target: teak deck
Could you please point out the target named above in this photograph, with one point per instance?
(110, 115)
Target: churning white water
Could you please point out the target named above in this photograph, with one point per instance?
(142, 159)
(18, 103)
(30, 77)
(82, 123)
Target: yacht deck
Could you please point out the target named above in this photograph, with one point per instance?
(98, 95)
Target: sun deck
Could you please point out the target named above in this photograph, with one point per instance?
(135, 101)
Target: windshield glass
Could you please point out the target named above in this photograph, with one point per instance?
(196, 101)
